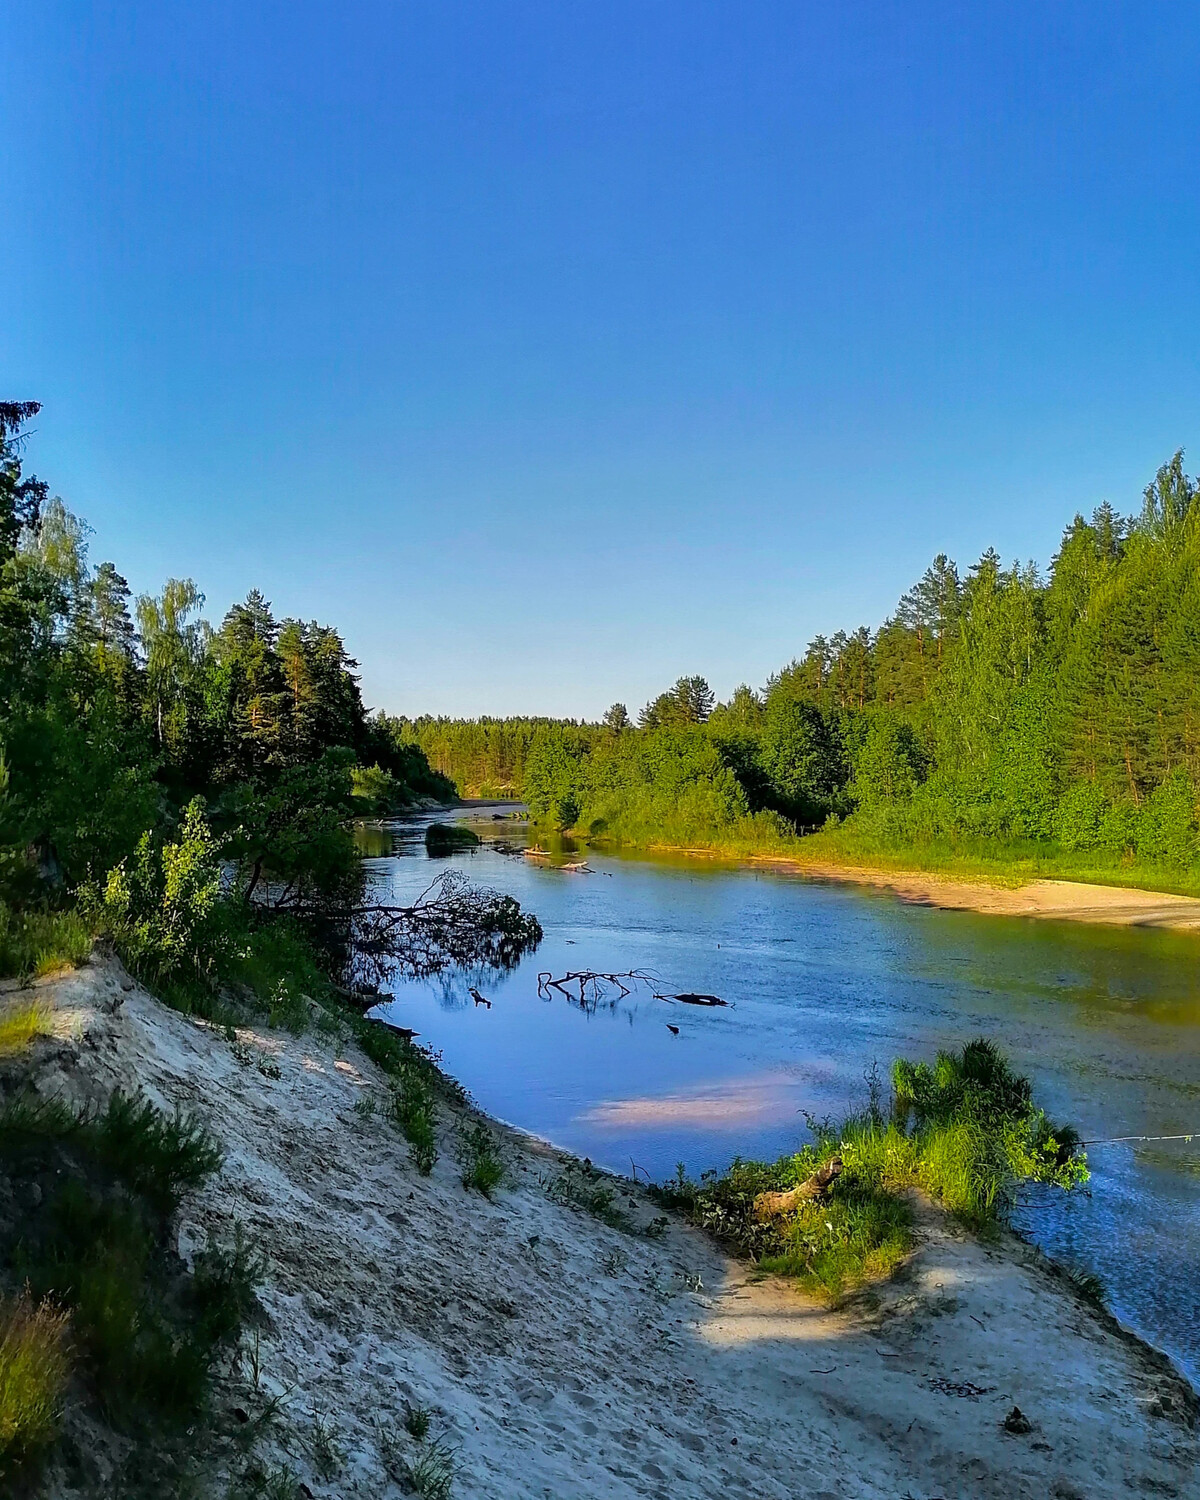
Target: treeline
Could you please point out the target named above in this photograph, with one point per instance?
(151, 765)
(998, 706)
(482, 757)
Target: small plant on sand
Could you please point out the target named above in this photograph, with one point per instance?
(262, 1483)
(327, 1453)
(365, 1105)
(1087, 1284)
(416, 1422)
(580, 1185)
(431, 1474)
(964, 1129)
(412, 1108)
(481, 1165)
(33, 1372)
(20, 1023)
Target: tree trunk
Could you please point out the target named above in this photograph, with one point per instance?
(770, 1205)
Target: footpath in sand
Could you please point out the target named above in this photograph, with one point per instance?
(566, 1360)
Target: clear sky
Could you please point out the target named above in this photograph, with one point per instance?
(552, 350)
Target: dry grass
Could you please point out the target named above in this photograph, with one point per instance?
(34, 1365)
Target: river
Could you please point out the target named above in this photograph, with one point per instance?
(824, 981)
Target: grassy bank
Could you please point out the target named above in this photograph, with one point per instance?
(849, 845)
(837, 1215)
(993, 861)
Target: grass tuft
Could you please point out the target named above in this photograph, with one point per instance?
(432, 1473)
(38, 942)
(20, 1023)
(411, 1107)
(416, 1422)
(479, 1159)
(34, 1366)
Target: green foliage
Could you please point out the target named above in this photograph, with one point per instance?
(20, 1022)
(431, 1474)
(34, 1366)
(39, 940)
(162, 1157)
(162, 906)
(94, 1193)
(580, 1185)
(287, 835)
(412, 1108)
(416, 1422)
(964, 1129)
(1002, 714)
(482, 1167)
(449, 838)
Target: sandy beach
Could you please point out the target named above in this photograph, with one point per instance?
(1051, 900)
(562, 1358)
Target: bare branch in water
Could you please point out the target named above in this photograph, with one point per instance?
(590, 988)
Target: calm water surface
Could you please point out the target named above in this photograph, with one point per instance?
(823, 981)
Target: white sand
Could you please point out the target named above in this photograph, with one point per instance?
(565, 1359)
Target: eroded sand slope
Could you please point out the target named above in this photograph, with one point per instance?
(562, 1358)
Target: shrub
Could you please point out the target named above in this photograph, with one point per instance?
(412, 1109)
(34, 1366)
(162, 906)
(448, 838)
(145, 1330)
(964, 1129)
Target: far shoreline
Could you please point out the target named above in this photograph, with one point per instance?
(1045, 898)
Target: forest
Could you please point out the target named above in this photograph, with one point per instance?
(1000, 713)
(187, 792)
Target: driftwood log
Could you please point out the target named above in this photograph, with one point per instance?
(689, 997)
(770, 1205)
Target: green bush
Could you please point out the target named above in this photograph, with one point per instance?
(964, 1129)
(162, 906)
(98, 1241)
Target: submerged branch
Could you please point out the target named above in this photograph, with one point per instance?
(591, 988)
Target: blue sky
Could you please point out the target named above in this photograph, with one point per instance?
(552, 350)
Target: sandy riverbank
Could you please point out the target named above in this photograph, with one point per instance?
(1053, 900)
(565, 1360)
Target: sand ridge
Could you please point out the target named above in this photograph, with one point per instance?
(562, 1358)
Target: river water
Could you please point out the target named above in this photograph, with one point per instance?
(823, 981)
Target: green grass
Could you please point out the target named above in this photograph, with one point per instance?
(417, 1081)
(431, 1474)
(94, 1193)
(963, 1130)
(411, 1106)
(482, 1168)
(20, 1023)
(416, 1422)
(580, 1185)
(41, 941)
(993, 861)
(34, 1366)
